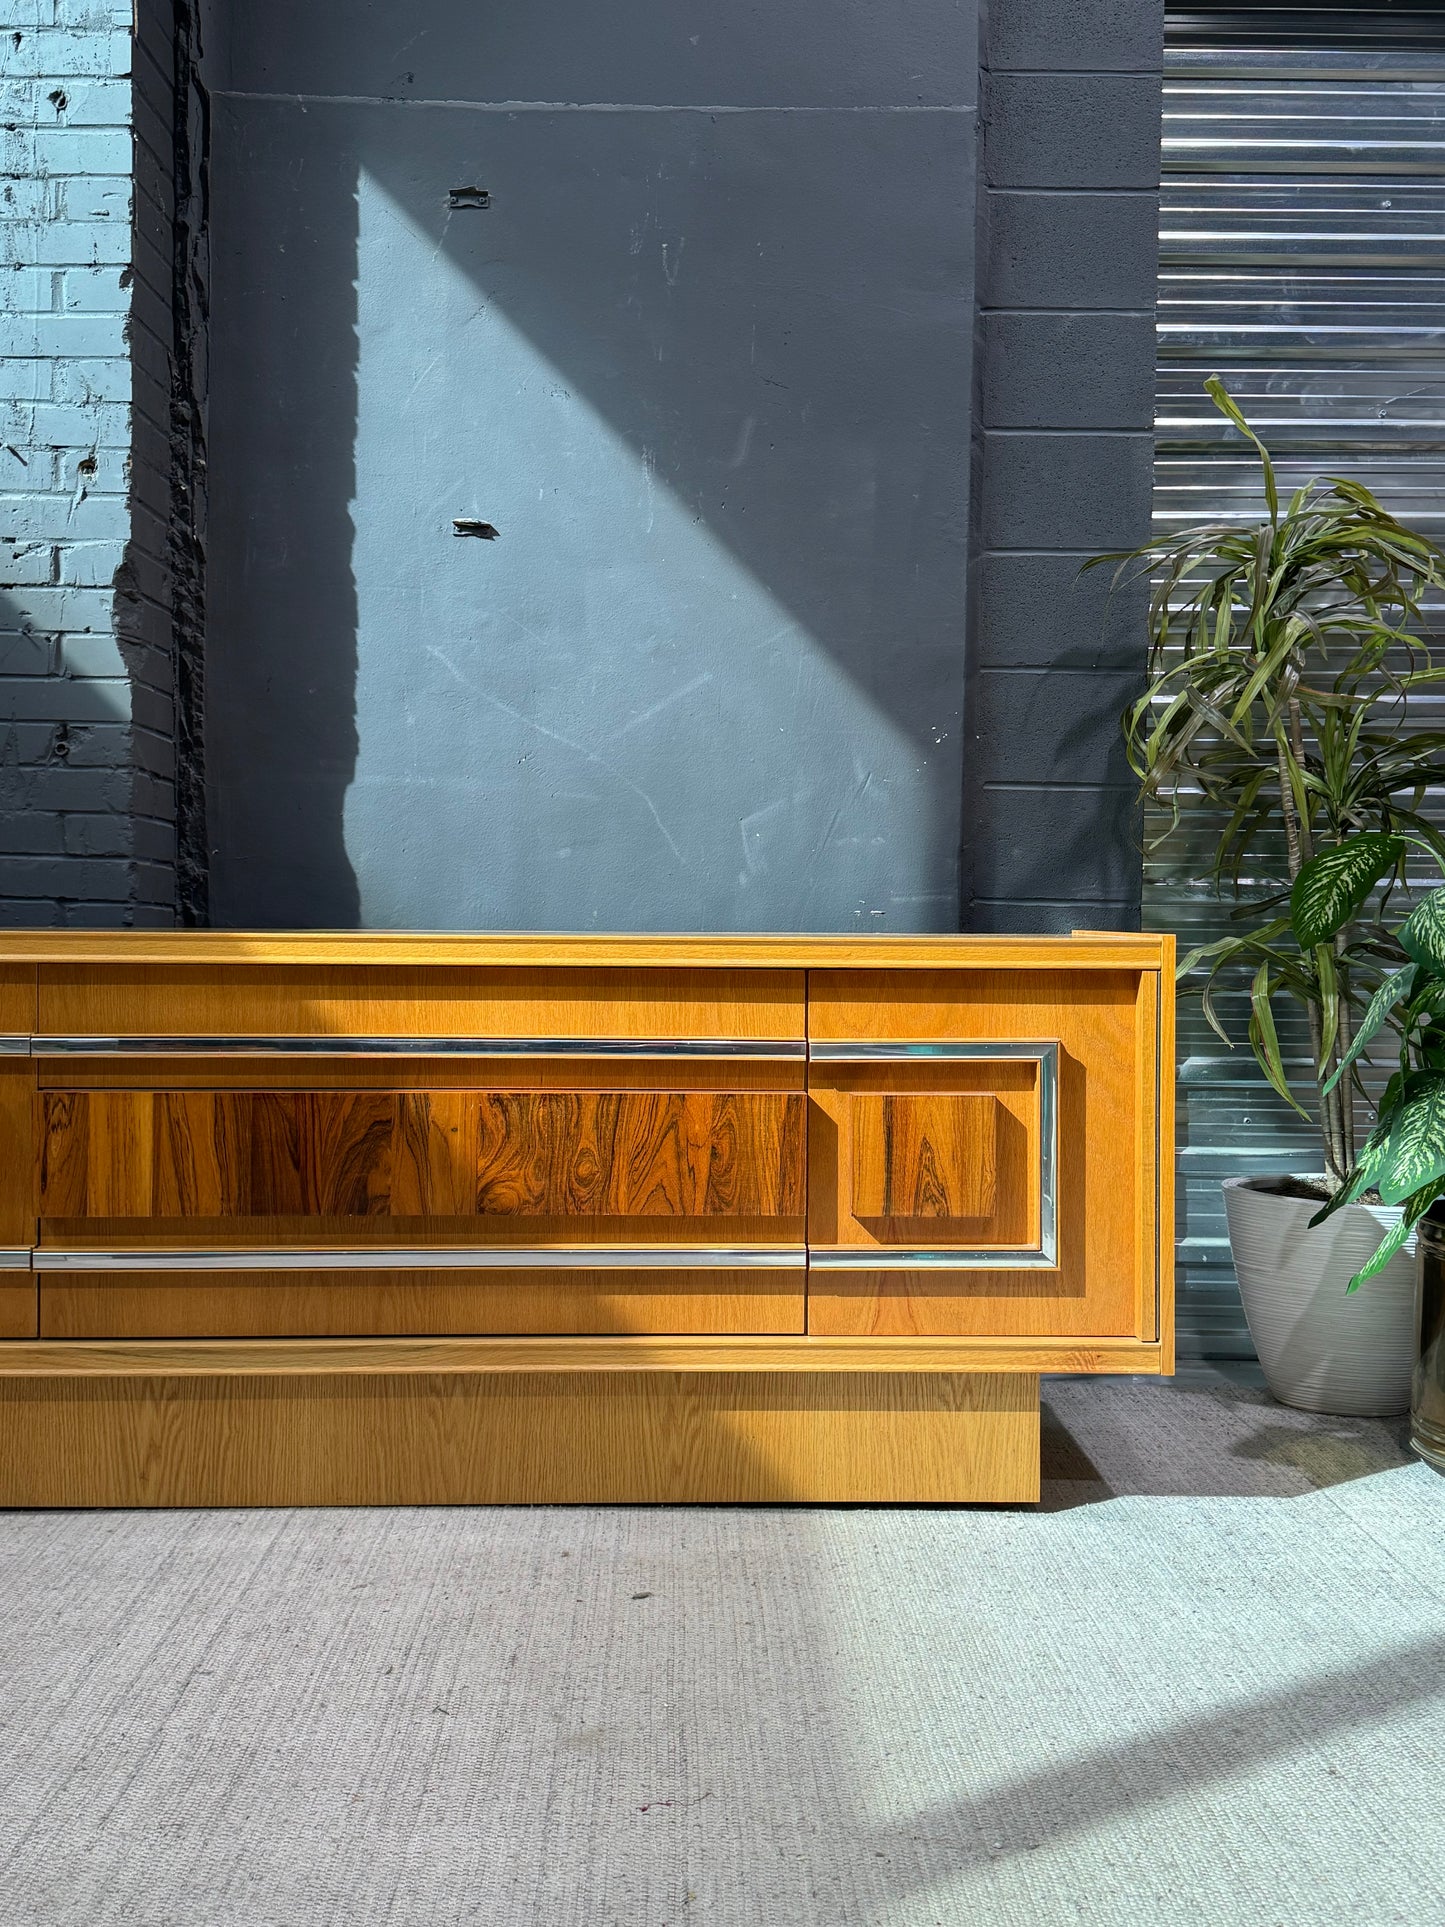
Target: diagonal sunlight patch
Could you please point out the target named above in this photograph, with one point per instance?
(595, 715)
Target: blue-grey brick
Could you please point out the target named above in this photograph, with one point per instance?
(85, 878)
(1069, 371)
(1056, 918)
(97, 16)
(102, 835)
(1072, 131)
(70, 609)
(95, 655)
(27, 653)
(1040, 611)
(92, 103)
(1072, 250)
(1095, 36)
(90, 564)
(28, 200)
(49, 335)
(88, 381)
(93, 291)
(71, 424)
(30, 833)
(61, 788)
(25, 291)
(92, 198)
(1026, 840)
(69, 244)
(82, 150)
(1061, 725)
(1066, 491)
(28, 565)
(63, 518)
(62, 699)
(54, 55)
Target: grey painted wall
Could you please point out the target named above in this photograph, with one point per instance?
(746, 360)
(705, 362)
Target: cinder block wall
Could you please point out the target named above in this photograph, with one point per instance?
(86, 702)
(1069, 222)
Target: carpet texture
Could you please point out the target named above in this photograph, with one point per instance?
(1205, 1683)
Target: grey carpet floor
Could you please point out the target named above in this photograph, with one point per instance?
(1205, 1683)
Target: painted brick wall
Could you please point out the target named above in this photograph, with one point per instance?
(1069, 217)
(86, 710)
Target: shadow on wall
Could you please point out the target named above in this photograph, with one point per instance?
(65, 779)
(708, 375)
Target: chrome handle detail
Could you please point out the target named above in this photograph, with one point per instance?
(890, 1258)
(17, 1258)
(1045, 1254)
(12, 1046)
(754, 1048)
(910, 1051)
(440, 1258)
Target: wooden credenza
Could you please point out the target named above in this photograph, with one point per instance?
(376, 1218)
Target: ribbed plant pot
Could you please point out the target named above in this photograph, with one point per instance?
(1323, 1348)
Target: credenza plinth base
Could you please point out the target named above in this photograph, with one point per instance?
(575, 1438)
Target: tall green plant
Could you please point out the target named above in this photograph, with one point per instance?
(1283, 651)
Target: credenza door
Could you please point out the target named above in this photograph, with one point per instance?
(983, 1152)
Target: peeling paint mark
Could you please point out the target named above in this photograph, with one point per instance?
(464, 525)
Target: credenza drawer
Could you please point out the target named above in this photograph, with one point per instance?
(615, 1155)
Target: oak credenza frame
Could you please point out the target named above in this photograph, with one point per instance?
(387, 1218)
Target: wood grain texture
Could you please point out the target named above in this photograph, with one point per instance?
(255, 1154)
(17, 997)
(845, 1108)
(19, 1306)
(742, 1438)
(418, 1000)
(322, 1304)
(330, 1357)
(589, 951)
(17, 1156)
(1104, 1280)
(928, 1156)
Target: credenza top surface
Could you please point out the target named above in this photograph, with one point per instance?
(1108, 950)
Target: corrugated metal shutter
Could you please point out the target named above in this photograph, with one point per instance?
(1303, 259)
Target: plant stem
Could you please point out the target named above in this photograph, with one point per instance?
(1297, 843)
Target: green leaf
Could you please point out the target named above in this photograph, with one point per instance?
(1396, 1237)
(1227, 405)
(1264, 1039)
(1422, 934)
(1397, 986)
(1331, 888)
(1414, 1152)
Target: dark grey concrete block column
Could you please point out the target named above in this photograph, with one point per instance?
(1068, 217)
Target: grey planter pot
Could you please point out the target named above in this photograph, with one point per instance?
(1321, 1348)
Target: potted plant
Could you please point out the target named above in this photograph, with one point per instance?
(1402, 1162)
(1283, 651)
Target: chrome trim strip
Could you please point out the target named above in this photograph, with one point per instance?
(754, 1048)
(885, 1258)
(1045, 1254)
(12, 1046)
(17, 1258)
(907, 1051)
(440, 1258)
